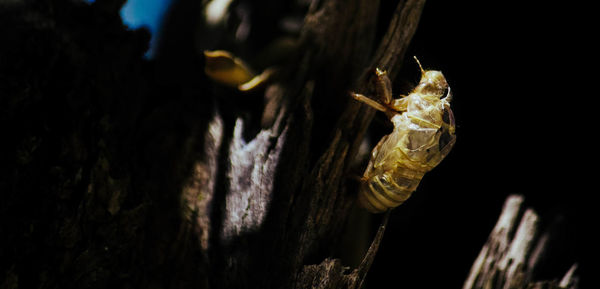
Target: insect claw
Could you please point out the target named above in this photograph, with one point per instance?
(370, 102)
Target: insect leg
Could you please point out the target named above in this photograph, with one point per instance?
(384, 86)
(372, 103)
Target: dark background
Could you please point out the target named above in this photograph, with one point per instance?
(520, 78)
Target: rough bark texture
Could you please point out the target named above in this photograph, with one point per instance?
(118, 172)
(513, 252)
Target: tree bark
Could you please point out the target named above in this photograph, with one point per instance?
(123, 172)
(513, 252)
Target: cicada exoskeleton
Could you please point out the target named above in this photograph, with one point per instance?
(424, 133)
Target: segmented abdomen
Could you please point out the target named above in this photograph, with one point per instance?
(389, 189)
(399, 162)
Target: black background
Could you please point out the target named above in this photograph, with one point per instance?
(523, 103)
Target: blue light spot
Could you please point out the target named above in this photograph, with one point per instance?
(145, 13)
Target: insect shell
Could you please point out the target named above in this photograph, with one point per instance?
(424, 133)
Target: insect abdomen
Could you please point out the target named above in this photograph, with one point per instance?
(389, 189)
